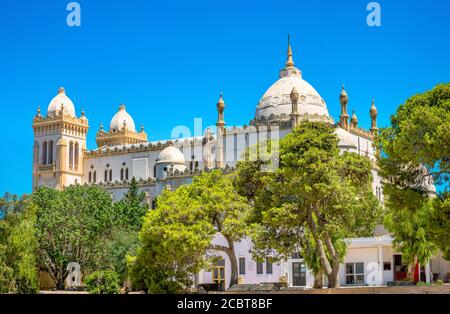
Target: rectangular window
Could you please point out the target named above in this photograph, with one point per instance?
(259, 268)
(354, 273)
(241, 265)
(387, 266)
(269, 268)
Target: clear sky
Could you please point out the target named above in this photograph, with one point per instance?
(167, 61)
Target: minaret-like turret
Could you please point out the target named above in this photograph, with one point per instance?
(294, 114)
(220, 133)
(343, 118)
(373, 117)
(354, 120)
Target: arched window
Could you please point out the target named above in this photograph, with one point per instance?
(44, 153)
(95, 176)
(110, 174)
(121, 174)
(106, 175)
(90, 177)
(50, 152)
(76, 155)
(71, 155)
(126, 174)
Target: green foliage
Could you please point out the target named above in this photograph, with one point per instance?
(173, 240)
(176, 236)
(419, 135)
(439, 223)
(11, 203)
(131, 209)
(72, 226)
(416, 148)
(315, 199)
(123, 243)
(103, 282)
(18, 271)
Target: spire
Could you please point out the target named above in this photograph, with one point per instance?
(343, 118)
(373, 117)
(220, 109)
(289, 61)
(373, 109)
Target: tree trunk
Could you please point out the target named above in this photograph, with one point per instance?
(333, 281)
(233, 263)
(411, 268)
(318, 280)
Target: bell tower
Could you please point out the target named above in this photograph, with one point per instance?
(59, 144)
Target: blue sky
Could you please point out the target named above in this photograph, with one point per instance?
(168, 61)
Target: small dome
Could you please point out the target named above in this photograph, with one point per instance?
(171, 154)
(345, 138)
(59, 100)
(121, 119)
(354, 119)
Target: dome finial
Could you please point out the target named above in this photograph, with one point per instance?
(61, 90)
(289, 61)
(122, 107)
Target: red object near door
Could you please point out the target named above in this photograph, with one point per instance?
(416, 273)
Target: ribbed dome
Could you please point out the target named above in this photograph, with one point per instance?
(121, 119)
(171, 154)
(59, 100)
(276, 100)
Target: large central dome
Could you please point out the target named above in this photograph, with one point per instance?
(276, 105)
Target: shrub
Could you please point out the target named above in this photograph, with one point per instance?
(103, 282)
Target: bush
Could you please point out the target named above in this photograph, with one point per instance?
(103, 282)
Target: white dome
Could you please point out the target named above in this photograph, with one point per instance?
(171, 154)
(120, 119)
(345, 138)
(59, 100)
(276, 102)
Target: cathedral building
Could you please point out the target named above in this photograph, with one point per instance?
(61, 158)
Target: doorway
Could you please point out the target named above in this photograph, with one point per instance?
(400, 269)
(219, 274)
(298, 274)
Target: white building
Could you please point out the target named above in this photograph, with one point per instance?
(61, 158)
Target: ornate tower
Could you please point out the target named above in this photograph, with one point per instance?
(373, 117)
(220, 133)
(343, 118)
(294, 114)
(59, 144)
